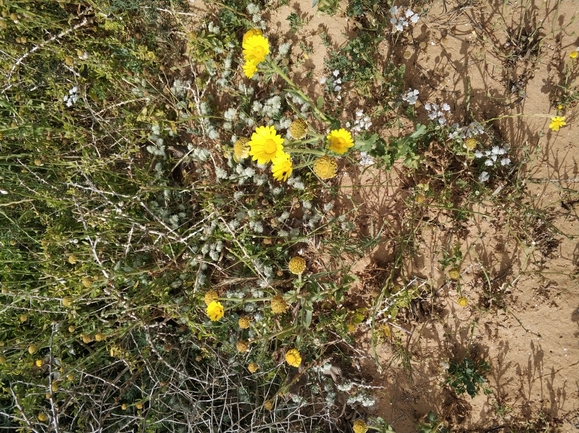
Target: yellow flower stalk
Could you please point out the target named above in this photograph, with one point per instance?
(255, 49)
(215, 311)
(325, 167)
(297, 265)
(282, 166)
(557, 123)
(293, 358)
(339, 141)
(265, 144)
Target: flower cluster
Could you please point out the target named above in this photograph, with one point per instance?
(361, 123)
(72, 97)
(255, 49)
(437, 112)
(400, 18)
(492, 158)
(463, 133)
(266, 145)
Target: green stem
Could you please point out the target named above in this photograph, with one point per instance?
(297, 90)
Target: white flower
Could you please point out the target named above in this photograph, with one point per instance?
(366, 159)
(483, 177)
(336, 73)
(505, 161)
(478, 154)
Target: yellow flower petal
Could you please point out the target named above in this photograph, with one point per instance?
(215, 311)
(293, 357)
(249, 69)
(339, 141)
(282, 166)
(557, 123)
(255, 49)
(265, 144)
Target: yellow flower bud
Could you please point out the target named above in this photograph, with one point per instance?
(278, 304)
(297, 265)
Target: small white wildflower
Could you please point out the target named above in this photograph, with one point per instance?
(483, 177)
(505, 161)
(411, 96)
(220, 173)
(284, 49)
(478, 154)
(252, 8)
(336, 73)
(323, 80)
(366, 159)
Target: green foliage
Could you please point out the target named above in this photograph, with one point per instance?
(468, 376)
(400, 148)
(432, 424)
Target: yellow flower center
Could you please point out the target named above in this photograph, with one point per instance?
(270, 146)
(259, 52)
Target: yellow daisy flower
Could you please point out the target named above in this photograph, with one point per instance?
(268, 405)
(253, 367)
(282, 166)
(326, 167)
(278, 304)
(462, 301)
(360, 426)
(241, 149)
(255, 49)
(211, 296)
(297, 265)
(339, 141)
(293, 358)
(249, 69)
(265, 144)
(251, 32)
(557, 123)
(215, 311)
(574, 54)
